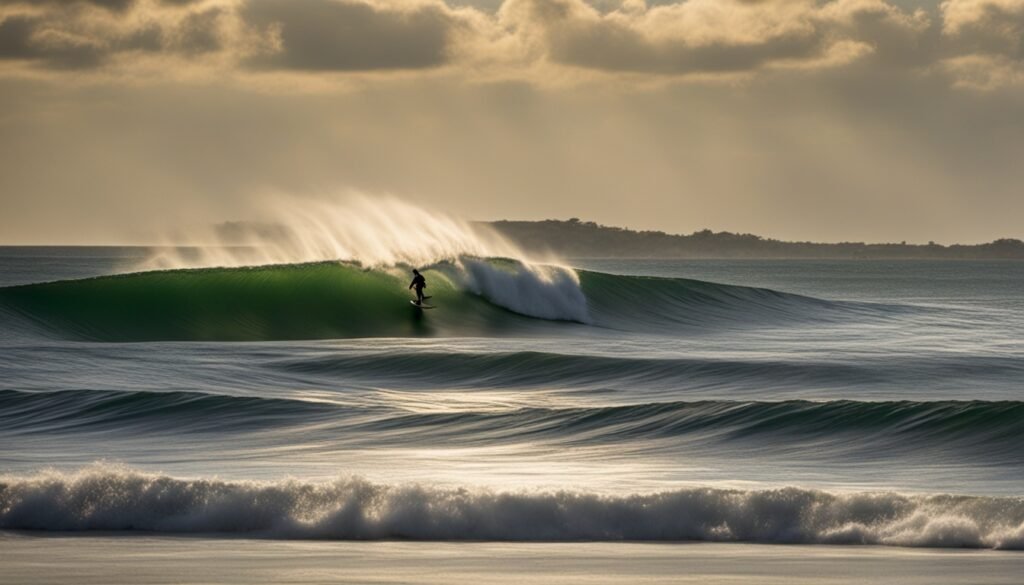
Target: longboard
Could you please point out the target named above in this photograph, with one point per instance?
(420, 306)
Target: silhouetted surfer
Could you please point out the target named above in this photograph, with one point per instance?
(419, 283)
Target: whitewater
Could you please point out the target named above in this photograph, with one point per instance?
(280, 386)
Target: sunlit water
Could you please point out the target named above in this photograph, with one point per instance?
(852, 401)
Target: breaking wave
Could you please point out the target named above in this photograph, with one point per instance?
(475, 297)
(305, 301)
(113, 498)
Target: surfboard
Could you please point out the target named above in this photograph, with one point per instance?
(420, 306)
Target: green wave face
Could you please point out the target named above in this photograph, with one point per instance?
(339, 300)
(311, 301)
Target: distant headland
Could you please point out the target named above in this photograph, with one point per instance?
(574, 238)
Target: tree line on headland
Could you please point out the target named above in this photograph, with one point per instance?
(581, 239)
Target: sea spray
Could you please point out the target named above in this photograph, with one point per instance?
(384, 232)
(115, 498)
(375, 232)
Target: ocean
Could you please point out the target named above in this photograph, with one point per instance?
(866, 413)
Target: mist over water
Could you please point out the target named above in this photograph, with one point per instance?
(277, 382)
(375, 232)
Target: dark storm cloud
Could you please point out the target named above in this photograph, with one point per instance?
(307, 35)
(16, 38)
(59, 39)
(339, 35)
(19, 41)
(111, 5)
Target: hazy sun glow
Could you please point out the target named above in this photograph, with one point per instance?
(797, 119)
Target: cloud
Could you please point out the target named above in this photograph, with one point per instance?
(111, 5)
(711, 35)
(83, 35)
(281, 35)
(28, 38)
(352, 35)
(988, 37)
(992, 27)
(1000, 18)
(984, 72)
(530, 40)
(199, 32)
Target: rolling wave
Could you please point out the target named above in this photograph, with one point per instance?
(991, 428)
(306, 301)
(530, 369)
(341, 300)
(667, 305)
(113, 498)
(85, 410)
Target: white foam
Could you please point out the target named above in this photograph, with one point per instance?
(105, 497)
(548, 292)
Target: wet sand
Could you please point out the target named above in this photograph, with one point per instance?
(34, 558)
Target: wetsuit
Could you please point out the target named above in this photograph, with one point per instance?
(418, 282)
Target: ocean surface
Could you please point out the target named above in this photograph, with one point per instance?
(801, 402)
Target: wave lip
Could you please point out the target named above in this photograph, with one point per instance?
(113, 498)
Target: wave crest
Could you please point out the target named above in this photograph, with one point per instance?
(299, 301)
(546, 292)
(114, 498)
(478, 297)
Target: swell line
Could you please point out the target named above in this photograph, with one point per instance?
(997, 428)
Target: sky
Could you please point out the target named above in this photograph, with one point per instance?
(841, 120)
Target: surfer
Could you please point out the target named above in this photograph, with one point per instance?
(419, 283)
